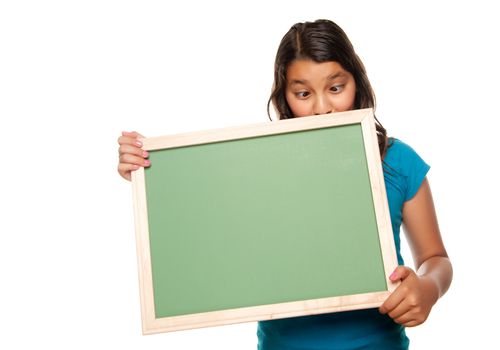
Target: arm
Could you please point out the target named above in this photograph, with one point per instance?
(411, 303)
(131, 155)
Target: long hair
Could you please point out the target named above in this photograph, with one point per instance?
(321, 41)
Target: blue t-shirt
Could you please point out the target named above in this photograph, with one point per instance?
(404, 172)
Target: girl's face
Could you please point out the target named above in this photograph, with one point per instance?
(319, 88)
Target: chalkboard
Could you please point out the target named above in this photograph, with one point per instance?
(263, 221)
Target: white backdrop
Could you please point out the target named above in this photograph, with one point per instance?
(74, 74)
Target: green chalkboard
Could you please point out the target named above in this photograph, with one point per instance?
(250, 219)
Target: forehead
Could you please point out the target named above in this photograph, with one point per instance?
(308, 70)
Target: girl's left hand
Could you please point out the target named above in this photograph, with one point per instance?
(412, 301)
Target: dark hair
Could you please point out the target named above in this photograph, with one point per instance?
(321, 41)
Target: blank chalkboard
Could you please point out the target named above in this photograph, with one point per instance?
(263, 221)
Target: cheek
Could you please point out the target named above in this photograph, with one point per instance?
(299, 108)
(346, 103)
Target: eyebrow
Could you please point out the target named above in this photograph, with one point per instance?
(335, 75)
(304, 81)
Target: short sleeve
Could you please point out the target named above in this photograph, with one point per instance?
(411, 168)
(416, 177)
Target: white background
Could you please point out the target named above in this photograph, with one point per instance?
(74, 74)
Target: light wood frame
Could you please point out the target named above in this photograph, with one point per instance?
(364, 117)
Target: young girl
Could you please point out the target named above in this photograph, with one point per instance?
(318, 72)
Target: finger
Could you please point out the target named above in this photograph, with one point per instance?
(127, 140)
(405, 319)
(132, 137)
(407, 314)
(131, 149)
(400, 310)
(125, 170)
(394, 299)
(411, 323)
(127, 158)
(133, 134)
(400, 273)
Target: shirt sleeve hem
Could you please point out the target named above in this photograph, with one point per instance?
(419, 178)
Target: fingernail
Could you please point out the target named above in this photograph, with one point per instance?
(138, 143)
(145, 154)
(393, 276)
(147, 163)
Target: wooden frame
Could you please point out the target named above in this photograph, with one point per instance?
(152, 324)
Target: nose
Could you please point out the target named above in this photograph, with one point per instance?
(322, 106)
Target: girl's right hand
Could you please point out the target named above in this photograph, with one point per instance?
(131, 155)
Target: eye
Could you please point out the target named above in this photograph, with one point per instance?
(302, 94)
(337, 88)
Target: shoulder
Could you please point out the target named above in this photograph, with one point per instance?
(400, 154)
(397, 146)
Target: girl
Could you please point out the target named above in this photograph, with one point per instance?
(317, 72)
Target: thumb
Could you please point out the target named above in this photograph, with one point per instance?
(400, 273)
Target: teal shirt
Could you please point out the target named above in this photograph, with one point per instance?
(404, 172)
